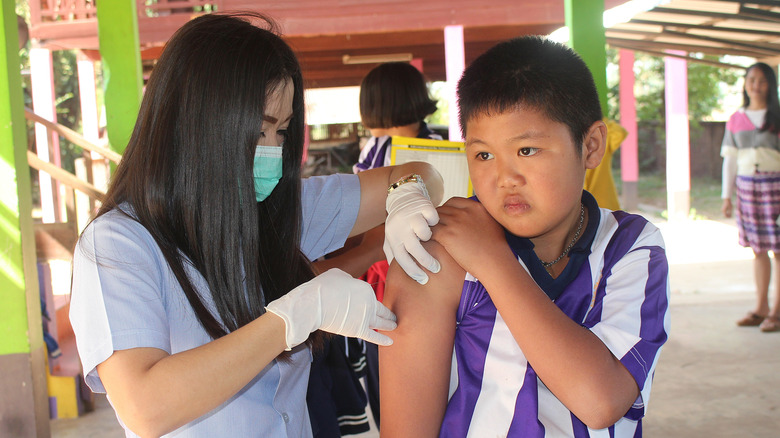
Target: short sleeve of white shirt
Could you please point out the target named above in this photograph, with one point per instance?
(119, 278)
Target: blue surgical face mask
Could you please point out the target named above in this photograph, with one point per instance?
(267, 170)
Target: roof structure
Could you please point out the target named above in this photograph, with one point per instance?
(339, 41)
(331, 37)
(714, 27)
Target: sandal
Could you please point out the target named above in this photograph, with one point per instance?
(770, 324)
(751, 320)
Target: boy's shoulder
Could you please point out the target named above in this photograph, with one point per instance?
(620, 232)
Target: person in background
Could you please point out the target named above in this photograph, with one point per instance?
(193, 298)
(549, 313)
(394, 101)
(751, 168)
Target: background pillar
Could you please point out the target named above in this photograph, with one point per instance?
(455, 60)
(678, 161)
(122, 72)
(24, 410)
(629, 150)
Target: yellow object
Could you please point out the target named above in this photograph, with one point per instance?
(599, 181)
(64, 390)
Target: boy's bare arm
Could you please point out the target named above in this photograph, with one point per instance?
(415, 370)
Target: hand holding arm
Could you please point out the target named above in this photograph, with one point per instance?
(470, 235)
(410, 214)
(412, 211)
(336, 303)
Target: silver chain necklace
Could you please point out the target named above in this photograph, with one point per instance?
(571, 244)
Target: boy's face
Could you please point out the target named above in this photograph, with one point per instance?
(526, 171)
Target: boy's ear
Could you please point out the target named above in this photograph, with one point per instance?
(595, 145)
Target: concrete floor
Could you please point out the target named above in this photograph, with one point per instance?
(713, 380)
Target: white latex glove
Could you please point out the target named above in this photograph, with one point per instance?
(334, 302)
(410, 216)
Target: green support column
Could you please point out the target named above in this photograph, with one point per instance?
(587, 38)
(24, 410)
(122, 72)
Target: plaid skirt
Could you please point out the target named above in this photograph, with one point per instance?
(758, 209)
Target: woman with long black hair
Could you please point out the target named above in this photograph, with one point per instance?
(193, 299)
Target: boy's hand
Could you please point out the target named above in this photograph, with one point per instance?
(468, 233)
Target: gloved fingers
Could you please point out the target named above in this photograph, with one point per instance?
(420, 228)
(423, 257)
(377, 338)
(431, 215)
(384, 313)
(384, 325)
(384, 319)
(409, 266)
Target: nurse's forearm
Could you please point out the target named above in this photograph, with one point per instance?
(155, 393)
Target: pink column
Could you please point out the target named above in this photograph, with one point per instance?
(455, 59)
(629, 149)
(678, 180)
(47, 146)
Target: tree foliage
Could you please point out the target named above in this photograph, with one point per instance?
(707, 85)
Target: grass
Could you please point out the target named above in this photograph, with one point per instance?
(705, 194)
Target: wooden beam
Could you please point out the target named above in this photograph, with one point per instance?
(661, 46)
(768, 50)
(661, 54)
(753, 2)
(73, 136)
(761, 14)
(706, 27)
(64, 176)
(650, 38)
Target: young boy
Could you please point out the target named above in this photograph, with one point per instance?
(549, 313)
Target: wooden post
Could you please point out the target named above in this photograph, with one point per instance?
(47, 144)
(24, 410)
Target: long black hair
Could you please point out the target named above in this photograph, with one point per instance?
(772, 118)
(187, 170)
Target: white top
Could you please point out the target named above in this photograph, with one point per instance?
(124, 295)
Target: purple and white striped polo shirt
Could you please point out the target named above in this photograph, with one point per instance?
(616, 284)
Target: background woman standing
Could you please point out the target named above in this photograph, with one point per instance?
(751, 165)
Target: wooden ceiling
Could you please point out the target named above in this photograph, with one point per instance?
(716, 27)
(322, 32)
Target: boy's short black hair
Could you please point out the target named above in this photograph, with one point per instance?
(394, 94)
(531, 72)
